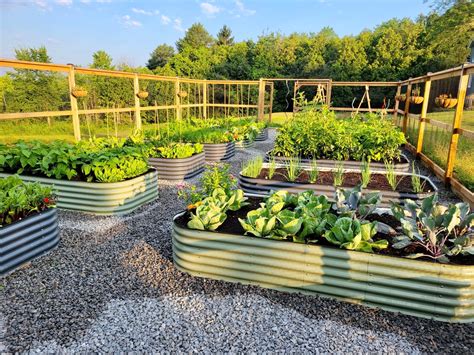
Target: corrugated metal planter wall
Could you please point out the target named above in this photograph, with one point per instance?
(178, 169)
(262, 136)
(246, 143)
(418, 288)
(403, 166)
(219, 151)
(27, 239)
(115, 198)
(263, 187)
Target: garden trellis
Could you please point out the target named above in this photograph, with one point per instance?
(185, 98)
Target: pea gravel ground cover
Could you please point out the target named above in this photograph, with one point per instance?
(111, 286)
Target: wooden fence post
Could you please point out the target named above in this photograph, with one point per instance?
(328, 93)
(424, 110)
(136, 89)
(177, 99)
(406, 109)
(271, 103)
(397, 104)
(261, 100)
(453, 145)
(204, 99)
(76, 125)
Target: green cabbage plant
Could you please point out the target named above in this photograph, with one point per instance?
(352, 234)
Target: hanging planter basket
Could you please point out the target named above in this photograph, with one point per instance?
(182, 94)
(142, 94)
(446, 102)
(401, 97)
(416, 99)
(79, 92)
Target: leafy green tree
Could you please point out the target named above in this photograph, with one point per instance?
(102, 60)
(160, 56)
(224, 36)
(448, 35)
(195, 37)
(34, 90)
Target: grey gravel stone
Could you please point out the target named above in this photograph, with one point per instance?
(111, 286)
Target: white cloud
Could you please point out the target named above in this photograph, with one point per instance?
(142, 12)
(127, 21)
(242, 9)
(64, 2)
(165, 20)
(178, 25)
(42, 4)
(85, 1)
(209, 9)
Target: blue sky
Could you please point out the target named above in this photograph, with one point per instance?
(130, 29)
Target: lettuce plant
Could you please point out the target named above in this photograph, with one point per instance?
(208, 216)
(439, 231)
(352, 234)
(314, 212)
(260, 222)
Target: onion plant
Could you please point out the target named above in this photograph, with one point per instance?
(271, 167)
(293, 169)
(365, 173)
(338, 174)
(391, 176)
(313, 171)
(253, 167)
(416, 183)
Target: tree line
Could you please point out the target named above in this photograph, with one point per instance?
(394, 50)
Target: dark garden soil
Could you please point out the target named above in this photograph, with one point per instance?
(232, 226)
(350, 179)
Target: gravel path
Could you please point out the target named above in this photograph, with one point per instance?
(111, 286)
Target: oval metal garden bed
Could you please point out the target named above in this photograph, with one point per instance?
(419, 288)
(116, 198)
(262, 136)
(263, 187)
(403, 165)
(244, 144)
(219, 151)
(178, 169)
(27, 239)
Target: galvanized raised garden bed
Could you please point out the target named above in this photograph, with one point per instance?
(178, 169)
(219, 151)
(244, 144)
(402, 166)
(262, 136)
(27, 239)
(419, 288)
(262, 187)
(115, 198)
